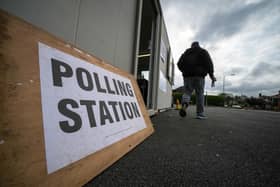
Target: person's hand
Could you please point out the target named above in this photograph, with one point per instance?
(213, 78)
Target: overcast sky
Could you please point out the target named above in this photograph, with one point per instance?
(242, 37)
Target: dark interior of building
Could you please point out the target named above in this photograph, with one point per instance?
(145, 54)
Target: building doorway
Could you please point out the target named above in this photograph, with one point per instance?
(145, 67)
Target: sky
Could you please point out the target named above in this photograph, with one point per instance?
(242, 37)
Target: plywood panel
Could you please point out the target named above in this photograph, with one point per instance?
(22, 144)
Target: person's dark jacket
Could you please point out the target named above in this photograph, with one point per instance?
(195, 62)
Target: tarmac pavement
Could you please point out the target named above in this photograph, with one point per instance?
(233, 147)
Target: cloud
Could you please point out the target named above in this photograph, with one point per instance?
(237, 70)
(262, 78)
(224, 24)
(242, 37)
(254, 88)
(264, 69)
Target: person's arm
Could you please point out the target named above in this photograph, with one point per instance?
(210, 67)
(180, 63)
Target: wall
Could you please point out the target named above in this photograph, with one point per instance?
(103, 28)
(164, 98)
(106, 29)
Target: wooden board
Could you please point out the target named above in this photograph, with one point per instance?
(22, 144)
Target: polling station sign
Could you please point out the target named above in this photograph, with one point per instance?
(85, 107)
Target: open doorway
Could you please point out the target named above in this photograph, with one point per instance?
(146, 52)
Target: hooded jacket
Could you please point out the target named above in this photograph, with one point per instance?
(195, 62)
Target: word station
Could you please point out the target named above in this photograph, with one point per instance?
(90, 81)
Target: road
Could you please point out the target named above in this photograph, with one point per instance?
(233, 147)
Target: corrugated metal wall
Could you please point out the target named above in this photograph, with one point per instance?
(104, 28)
(164, 97)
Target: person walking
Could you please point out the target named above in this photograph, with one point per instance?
(195, 63)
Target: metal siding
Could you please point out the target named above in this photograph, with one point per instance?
(164, 39)
(156, 71)
(164, 99)
(56, 17)
(97, 27)
(126, 36)
(106, 29)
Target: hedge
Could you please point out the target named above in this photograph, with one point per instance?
(212, 100)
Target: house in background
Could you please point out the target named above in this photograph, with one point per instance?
(129, 34)
(276, 101)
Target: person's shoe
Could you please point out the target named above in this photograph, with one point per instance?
(201, 116)
(182, 111)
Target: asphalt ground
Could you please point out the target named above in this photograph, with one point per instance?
(233, 147)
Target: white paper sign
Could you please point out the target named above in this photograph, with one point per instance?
(85, 107)
(163, 51)
(162, 82)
